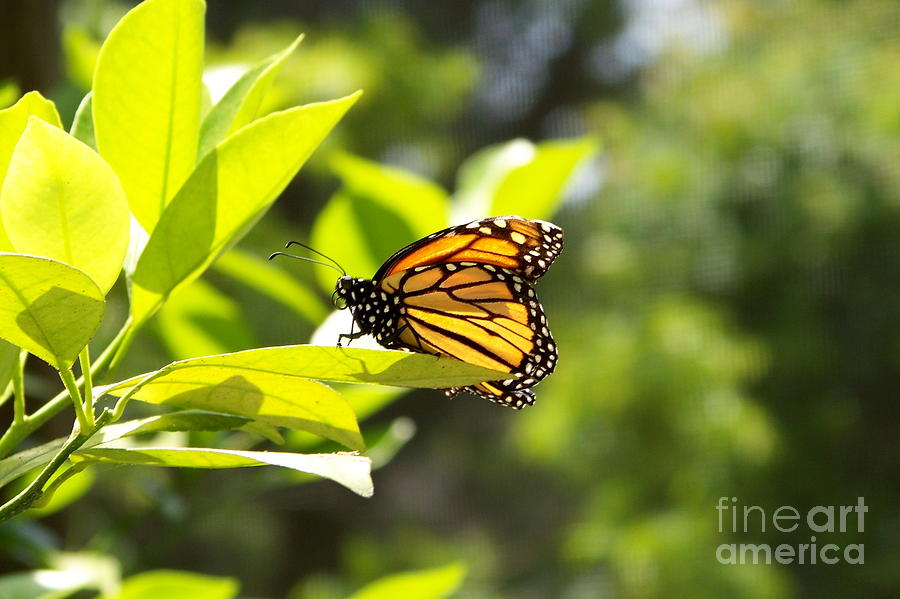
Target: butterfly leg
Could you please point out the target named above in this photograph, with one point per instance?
(350, 336)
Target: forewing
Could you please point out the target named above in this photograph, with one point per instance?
(524, 247)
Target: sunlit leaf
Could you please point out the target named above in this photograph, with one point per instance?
(147, 101)
(535, 189)
(13, 121)
(349, 470)
(242, 103)
(21, 463)
(62, 201)
(67, 573)
(348, 365)
(49, 308)
(434, 583)
(231, 188)
(238, 384)
(518, 177)
(42, 584)
(173, 584)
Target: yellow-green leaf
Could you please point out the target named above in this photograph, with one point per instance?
(230, 189)
(62, 201)
(241, 385)
(147, 101)
(49, 308)
(343, 364)
(12, 123)
(172, 584)
(350, 470)
(434, 583)
(243, 101)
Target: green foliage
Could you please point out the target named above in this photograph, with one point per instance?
(147, 120)
(49, 308)
(243, 102)
(227, 193)
(435, 583)
(175, 194)
(62, 201)
(172, 584)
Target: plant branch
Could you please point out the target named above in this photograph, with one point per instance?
(18, 382)
(34, 491)
(85, 358)
(15, 434)
(85, 420)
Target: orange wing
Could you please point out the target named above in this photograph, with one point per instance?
(524, 247)
(480, 314)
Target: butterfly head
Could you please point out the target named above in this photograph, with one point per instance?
(350, 292)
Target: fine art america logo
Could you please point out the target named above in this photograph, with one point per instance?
(821, 519)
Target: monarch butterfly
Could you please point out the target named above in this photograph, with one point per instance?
(466, 292)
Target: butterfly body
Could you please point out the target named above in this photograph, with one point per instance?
(466, 292)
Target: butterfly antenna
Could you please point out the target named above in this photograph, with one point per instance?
(305, 259)
(329, 258)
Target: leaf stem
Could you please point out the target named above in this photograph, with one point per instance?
(15, 434)
(85, 358)
(85, 420)
(34, 491)
(18, 382)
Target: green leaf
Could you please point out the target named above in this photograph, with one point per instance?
(13, 121)
(174, 584)
(434, 583)
(343, 364)
(25, 461)
(252, 391)
(199, 320)
(518, 177)
(42, 584)
(186, 420)
(271, 281)
(535, 189)
(20, 463)
(62, 201)
(60, 495)
(9, 91)
(349, 470)
(227, 193)
(242, 103)
(68, 573)
(83, 123)
(370, 217)
(147, 101)
(49, 308)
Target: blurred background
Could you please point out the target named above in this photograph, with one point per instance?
(727, 307)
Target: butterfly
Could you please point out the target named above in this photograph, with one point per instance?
(466, 292)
